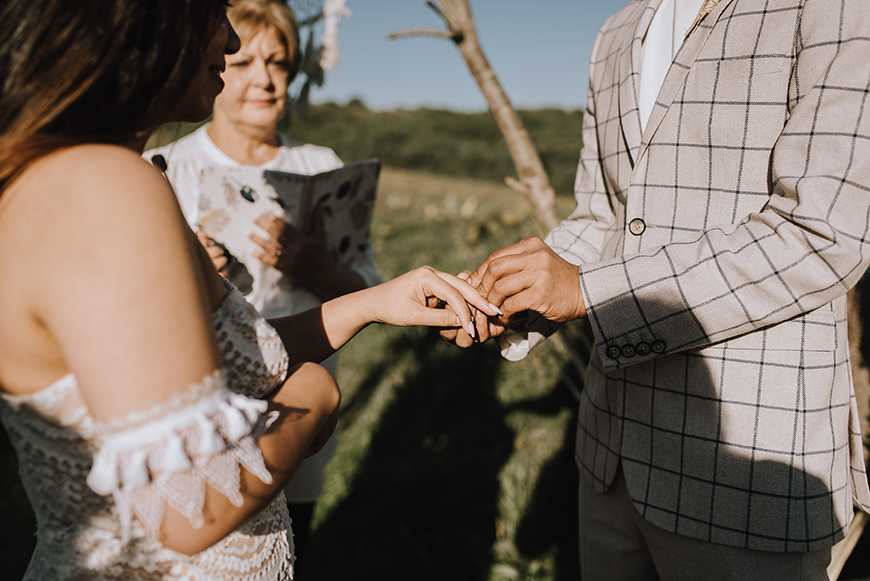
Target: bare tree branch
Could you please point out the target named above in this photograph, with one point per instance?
(422, 32)
(516, 186)
(530, 171)
(533, 182)
(436, 8)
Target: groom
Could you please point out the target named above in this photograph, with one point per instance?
(723, 211)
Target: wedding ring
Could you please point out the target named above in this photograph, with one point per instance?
(278, 253)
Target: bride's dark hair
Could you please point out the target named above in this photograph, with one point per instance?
(75, 71)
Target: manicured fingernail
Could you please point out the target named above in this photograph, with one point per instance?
(469, 328)
(495, 308)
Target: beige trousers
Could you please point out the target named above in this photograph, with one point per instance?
(617, 544)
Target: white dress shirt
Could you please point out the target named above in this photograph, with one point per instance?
(660, 45)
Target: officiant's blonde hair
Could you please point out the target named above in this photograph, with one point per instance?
(250, 17)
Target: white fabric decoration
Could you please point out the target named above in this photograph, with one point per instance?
(136, 470)
(237, 424)
(176, 458)
(333, 11)
(210, 442)
(151, 463)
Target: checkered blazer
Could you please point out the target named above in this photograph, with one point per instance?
(715, 252)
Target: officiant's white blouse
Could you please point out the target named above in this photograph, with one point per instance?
(186, 159)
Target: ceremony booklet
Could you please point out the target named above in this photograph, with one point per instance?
(231, 198)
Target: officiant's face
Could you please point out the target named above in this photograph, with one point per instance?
(256, 82)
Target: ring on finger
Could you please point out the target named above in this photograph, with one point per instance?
(278, 253)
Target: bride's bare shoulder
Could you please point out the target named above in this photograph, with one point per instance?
(86, 232)
(90, 169)
(93, 186)
(86, 205)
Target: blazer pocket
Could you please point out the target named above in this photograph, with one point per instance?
(816, 331)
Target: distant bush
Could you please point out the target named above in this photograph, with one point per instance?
(442, 142)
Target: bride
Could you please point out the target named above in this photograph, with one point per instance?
(155, 414)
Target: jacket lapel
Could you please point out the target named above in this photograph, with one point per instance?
(629, 85)
(678, 72)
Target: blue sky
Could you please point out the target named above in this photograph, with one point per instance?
(538, 48)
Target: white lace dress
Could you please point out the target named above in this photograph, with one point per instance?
(99, 490)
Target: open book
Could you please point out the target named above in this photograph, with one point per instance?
(232, 198)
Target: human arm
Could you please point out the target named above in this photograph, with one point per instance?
(134, 345)
(307, 406)
(407, 300)
(752, 191)
(217, 253)
(753, 211)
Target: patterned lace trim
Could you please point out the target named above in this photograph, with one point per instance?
(178, 401)
(168, 453)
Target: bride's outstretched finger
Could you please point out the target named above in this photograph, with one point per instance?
(471, 295)
(455, 296)
(427, 297)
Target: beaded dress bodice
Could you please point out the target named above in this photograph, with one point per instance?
(99, 490)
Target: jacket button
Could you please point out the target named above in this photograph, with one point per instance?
(658, 346)
(628, 351)
(613, 352)
(642, 348)
(636, 226)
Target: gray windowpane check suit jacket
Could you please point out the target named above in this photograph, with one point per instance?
(715, 251)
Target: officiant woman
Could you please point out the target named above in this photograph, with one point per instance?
(244, 132)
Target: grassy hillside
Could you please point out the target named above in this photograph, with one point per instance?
(443, 142)
(438, 142)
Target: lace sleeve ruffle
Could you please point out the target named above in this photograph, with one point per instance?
(168, 454)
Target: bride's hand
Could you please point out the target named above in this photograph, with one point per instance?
(415, 298)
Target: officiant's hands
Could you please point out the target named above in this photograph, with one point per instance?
(300, 256)
(304, 257)
(218, 253)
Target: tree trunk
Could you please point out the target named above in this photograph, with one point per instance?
(533, 181)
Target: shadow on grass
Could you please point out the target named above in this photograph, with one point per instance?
(550, 521)
(424, 502)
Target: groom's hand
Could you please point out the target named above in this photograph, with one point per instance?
(485, 327)
(529, 275)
